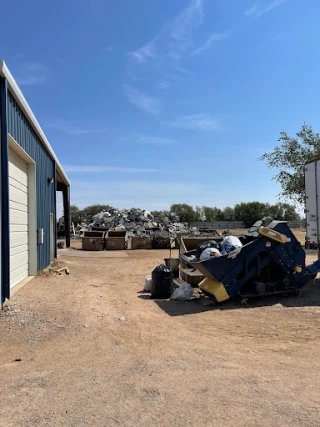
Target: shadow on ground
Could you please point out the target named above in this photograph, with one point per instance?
(310, 297)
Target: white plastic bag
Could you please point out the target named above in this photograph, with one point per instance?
(229, 244)
(148, 284)
(183, 293)
(209, 253)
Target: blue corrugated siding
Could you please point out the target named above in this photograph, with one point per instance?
(21, 130)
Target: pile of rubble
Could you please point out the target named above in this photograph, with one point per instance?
(137, 223)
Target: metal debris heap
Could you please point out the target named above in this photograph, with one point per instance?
(137, 223)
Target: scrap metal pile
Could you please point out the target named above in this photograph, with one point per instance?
(137, 223)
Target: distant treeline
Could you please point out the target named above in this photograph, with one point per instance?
(246, 212)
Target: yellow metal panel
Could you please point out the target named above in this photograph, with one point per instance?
(214, 288)
(273, 235)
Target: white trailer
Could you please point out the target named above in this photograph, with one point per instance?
(312, 185)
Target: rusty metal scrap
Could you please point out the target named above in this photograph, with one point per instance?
(137, 223)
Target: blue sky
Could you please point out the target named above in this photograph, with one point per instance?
(152, 102)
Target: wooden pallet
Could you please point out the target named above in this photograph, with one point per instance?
(190, 276)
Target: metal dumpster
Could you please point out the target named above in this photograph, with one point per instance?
(140, 242)
(272, 261)
(116, 240)
(188, 243)
(93, 241)
(160, 242)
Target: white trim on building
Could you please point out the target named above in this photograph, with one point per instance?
(16, 92)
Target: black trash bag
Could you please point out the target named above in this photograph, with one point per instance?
(206, 245)
(161, 282)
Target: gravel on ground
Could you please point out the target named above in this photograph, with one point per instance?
(90, 349)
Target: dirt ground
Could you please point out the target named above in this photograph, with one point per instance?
(300, 234)
(89, 349)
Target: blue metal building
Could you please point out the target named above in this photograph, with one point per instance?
(30, 176)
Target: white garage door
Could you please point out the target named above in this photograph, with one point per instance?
(18, 204)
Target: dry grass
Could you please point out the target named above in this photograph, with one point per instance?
(300, 233)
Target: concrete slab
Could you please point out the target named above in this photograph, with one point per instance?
(20, 285)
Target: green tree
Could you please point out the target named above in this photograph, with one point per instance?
(253, 211)
(219, 214)
(250, 212)
(208, 213)
(75, 214)
(89, 212)
(200, 215)
(287, 212)
(275, 211)
(213, 214)
(289, 159)
(291, 214)
(184, 212)
(157, 213)
(228, 214)
(162, 216)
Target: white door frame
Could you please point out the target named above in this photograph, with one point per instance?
(32, 204)
(52, 237)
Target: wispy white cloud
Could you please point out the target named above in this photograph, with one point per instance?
(152, 140)
(182, 27)
(146, 52)
(140, 138)
(109, 49)
(209, 42)
(141, 100)
(175, 36)
(159, 60)
(32, 74)
(101, 169)
(252, 10)
(202, 122)
(163, 84)
(71, 128)
(257, 10)
(140, 192)
(59, 60)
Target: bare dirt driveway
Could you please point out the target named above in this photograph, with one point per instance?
(96, 352)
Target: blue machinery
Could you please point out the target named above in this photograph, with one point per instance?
(272, 261)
